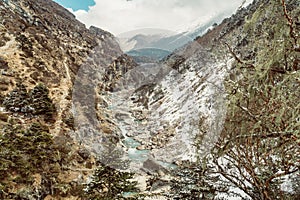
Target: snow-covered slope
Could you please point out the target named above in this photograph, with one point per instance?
(178, 103)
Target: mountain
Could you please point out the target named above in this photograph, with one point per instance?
(141, 40)
(218, 118)
(44, 54)
(148, 55)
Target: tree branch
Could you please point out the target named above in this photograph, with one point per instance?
(280, 175)
(290, 21)
(237, 58)
(231, 179)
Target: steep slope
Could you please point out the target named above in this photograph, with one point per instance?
(43, 48)
(244, 155)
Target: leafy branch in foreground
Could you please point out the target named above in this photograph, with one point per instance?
(257, 155)
(259, 147)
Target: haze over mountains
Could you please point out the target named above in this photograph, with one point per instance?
(192, 19)
(136, 42)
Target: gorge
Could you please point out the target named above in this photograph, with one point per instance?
(218, 118)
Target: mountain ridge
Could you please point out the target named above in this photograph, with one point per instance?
(43, 48)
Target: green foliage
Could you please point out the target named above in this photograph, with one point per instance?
(40, 101)
(108, 183)
(17, 99)
(258, 150)
(192, 182)
(28, 151)
(260, 140)
(36, 102)
(23, 152)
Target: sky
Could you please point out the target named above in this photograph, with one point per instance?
(120, 16)
(76, 4)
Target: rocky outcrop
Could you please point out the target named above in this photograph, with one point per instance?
(115, 71)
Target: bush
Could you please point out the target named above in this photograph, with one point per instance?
(36, 102)
(40, 102)
(109, 184)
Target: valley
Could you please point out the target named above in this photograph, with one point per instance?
(208, 114)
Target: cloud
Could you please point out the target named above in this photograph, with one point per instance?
(118, 16)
